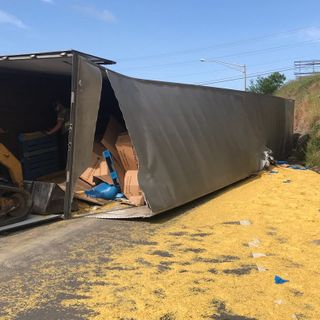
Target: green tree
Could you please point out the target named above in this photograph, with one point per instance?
(267, 85)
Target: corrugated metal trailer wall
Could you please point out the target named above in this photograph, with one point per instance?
(193, 140)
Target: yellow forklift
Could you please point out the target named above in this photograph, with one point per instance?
(15, 202)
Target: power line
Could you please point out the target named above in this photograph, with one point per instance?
(248, 76)
(217, 46)
(252, 52)
(243, 53)
(253, 75)
(220, 69)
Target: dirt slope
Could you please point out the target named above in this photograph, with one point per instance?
(306, 93)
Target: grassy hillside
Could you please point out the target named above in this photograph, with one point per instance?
(306, 93)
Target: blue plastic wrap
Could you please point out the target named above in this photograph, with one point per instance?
(104, 191)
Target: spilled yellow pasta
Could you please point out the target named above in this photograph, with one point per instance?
(205, 264)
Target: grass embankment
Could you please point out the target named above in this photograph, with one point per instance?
(306, 93)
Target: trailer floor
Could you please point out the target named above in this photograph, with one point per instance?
(213, 259)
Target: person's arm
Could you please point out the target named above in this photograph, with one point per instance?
(57, 127)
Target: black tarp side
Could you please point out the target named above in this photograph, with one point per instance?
(193, 140)
(88, 92)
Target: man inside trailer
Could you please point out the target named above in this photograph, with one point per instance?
(62, 122)
(61, 128)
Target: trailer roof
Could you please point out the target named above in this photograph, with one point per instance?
(55, 62)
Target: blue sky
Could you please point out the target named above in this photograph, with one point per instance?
(165, 40)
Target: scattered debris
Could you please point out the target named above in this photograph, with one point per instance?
(132, 193)
(297, 167)
(286, 164)
(296, 293)
(279, 280)
(97, 168)
(104, 191)
(282, 162)
(245, 222)
(261, 268)
(234, 222)
(254, 243)
(258, 255)
(267, 159)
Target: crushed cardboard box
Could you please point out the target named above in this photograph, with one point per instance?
(114, 129)
(126, 152)
(131, 184)
(132, 189)
(97, 168)
(125, 161)
(137, 200)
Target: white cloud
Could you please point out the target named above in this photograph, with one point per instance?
(7, 18)
(104, 15)
(48, 1)
(312, 33)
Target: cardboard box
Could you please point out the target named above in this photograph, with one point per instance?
(98, 166)
(137, 200)
(109, 142)
(99, 179)
(113, 130)
(131, 184)
(126, 152)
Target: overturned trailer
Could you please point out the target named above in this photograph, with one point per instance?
(189, 140)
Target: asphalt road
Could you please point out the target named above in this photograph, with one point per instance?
(51, 256)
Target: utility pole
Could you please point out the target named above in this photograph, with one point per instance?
(239, 67)
(245, 77)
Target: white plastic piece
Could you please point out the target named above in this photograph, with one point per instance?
(255, 243)
(261, 268)
(279, 301)
(258, 255)
(245, 222)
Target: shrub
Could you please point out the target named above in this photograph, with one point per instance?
(313, 148)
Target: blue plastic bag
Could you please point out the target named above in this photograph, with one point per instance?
(298, 167)
(281, 162)
(279, 280)
(103, 191)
